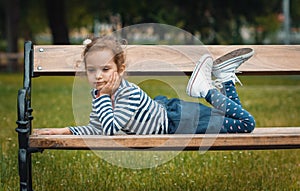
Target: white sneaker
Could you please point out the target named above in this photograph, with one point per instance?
(200, 82)
(224, 67)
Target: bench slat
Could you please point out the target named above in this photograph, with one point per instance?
(157, 59)
(261, 138)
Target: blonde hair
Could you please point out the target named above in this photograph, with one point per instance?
(108, 43)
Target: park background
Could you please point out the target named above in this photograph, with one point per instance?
(273, 100)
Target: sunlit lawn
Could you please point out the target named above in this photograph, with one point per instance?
(273, 100)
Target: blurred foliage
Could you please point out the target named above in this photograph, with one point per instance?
(216, 22)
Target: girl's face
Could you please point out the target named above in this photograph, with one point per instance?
(100, 67)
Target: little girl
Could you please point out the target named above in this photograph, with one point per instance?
(119, 106)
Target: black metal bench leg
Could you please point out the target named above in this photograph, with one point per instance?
(24, 122)
(25, 170)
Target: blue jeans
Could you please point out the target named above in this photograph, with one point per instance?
(226, 115)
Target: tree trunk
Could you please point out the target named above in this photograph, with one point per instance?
(12, 28)
(57, 21)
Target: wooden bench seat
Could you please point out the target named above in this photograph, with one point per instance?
(45, 60)
(260, 138)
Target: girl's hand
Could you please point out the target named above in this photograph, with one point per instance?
(112, 85)
(52, 131)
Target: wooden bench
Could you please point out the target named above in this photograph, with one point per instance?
(62, 60)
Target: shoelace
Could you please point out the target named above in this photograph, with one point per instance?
(238, 80)
(218, 82)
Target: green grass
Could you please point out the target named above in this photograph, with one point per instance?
(273, 100)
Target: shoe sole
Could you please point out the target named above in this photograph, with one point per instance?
(195, 72)
(238, 54)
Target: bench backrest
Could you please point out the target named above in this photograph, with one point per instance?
(170, 60)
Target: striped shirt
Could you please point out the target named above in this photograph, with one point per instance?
(133, 112)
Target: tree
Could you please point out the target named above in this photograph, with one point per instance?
(12, 9)
(57, 21)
